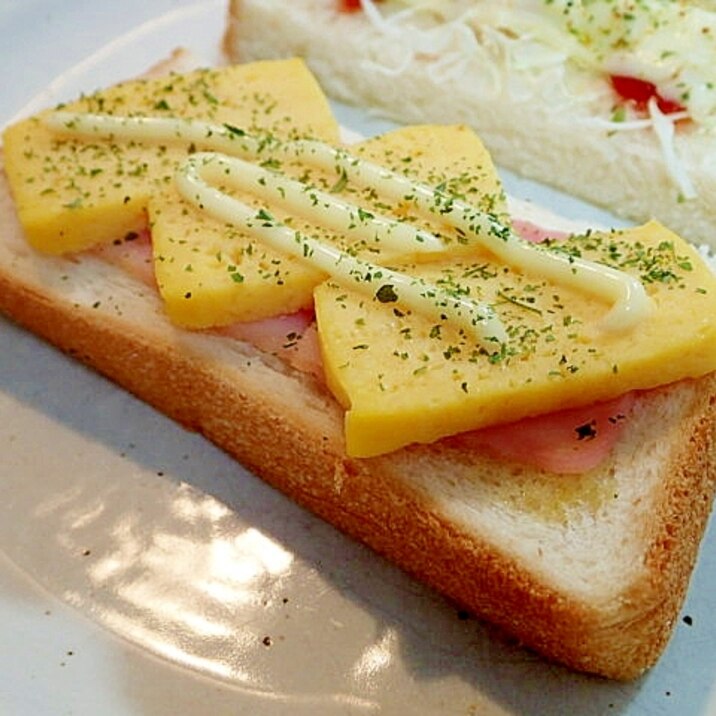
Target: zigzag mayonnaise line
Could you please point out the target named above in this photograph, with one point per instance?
(631, 303)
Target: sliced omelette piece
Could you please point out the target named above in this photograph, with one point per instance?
(406, 379)
(74, 193)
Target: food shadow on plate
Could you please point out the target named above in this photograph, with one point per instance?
(152, 519)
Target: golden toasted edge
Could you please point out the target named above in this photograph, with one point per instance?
(624, 648)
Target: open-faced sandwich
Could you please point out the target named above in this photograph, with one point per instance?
(522, 417)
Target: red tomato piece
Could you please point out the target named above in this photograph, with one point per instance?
(639, 92)
(351, 5)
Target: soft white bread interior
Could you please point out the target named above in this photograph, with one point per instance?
(540, 127)
(589, 570)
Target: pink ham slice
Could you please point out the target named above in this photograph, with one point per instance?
(567, 442)
(132, 254)
(534, 233)
(293, 338)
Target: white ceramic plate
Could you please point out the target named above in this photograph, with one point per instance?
(143, 572)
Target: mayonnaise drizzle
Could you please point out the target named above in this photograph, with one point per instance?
(630, 301)
(414, 293)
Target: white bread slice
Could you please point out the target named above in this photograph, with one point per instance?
(542, 132)
(590, 571)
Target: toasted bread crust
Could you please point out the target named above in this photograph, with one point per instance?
(287, 429)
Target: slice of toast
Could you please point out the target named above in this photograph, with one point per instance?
(589, 570)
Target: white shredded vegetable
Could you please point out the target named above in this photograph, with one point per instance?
(664, 128)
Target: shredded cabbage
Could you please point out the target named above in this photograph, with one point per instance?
(664, 128)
